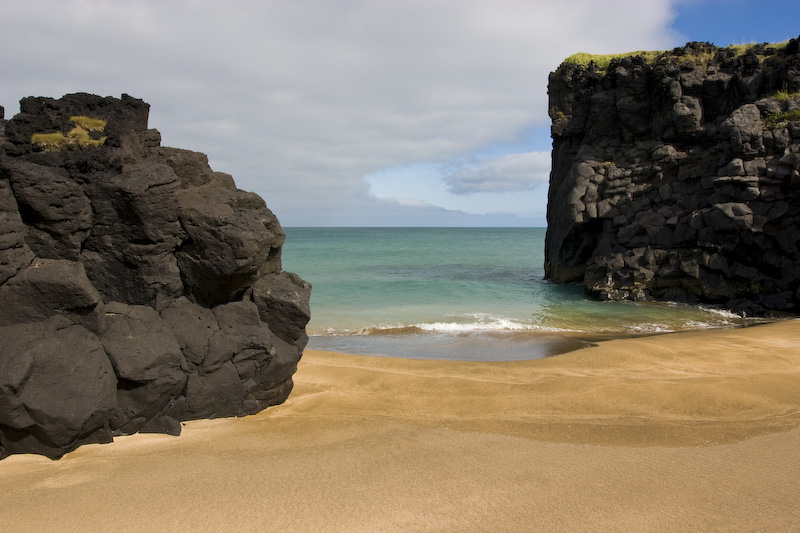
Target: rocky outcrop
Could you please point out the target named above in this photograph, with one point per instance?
(677, 176)
(139, 288)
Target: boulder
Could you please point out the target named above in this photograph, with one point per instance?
(231, 241)
(140, 288)
(14, 251)
(57, 387)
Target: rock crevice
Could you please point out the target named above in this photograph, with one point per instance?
(139, 287)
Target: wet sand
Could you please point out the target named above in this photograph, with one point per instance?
(694, 431)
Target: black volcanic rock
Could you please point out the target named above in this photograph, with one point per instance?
(139, 287)
(58, 387)
(677, 177)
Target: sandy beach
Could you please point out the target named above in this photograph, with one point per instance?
(696, 431)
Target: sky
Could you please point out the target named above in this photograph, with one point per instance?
(357, 112)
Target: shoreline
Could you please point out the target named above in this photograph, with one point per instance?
(682, 431)
(464, 347)
(487, 345)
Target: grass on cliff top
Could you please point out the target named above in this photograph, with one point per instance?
(77, 137)
(602, 61)
(784, 94)
(88, 123)
(781, 120)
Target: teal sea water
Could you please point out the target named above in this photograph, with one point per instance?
(459, 293)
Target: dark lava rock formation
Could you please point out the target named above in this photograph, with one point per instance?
(675, 177)
(138, 288)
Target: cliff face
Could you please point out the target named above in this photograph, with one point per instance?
(139, 288)
(676, 177)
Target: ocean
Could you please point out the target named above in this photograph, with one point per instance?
(460, 294)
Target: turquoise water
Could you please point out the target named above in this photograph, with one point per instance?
(458, 293)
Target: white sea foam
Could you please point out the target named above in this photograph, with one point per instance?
(458, 327)
(648, 328)
(473, 322)
(721, 312)
(477, 323)
(483, 322)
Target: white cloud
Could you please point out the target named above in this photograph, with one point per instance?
(408, 202)
(510, 173)
(402, 212)
(300, 100)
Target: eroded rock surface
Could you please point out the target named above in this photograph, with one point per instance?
(678, 177)
(138, 287)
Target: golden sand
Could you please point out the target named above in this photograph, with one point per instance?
(694, 431)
